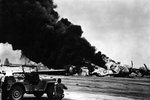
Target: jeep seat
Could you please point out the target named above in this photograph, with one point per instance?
(32, 77)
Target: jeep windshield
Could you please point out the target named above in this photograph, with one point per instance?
(29, 68)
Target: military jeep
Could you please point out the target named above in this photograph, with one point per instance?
(26, 81)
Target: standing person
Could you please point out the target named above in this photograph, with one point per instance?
(59, 90)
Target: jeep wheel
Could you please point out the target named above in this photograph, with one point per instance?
(16, 93)
(38, 94)
(4, 94)
(49, 91)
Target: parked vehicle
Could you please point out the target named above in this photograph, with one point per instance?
(27, 81)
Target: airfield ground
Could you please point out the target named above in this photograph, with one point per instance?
(103, 88)
(106, 88)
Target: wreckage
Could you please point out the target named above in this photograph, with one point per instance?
(112, 69)
(142, 71)
(145, 71)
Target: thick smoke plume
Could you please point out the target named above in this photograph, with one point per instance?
(34, 27)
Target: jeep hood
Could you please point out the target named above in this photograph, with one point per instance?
(47, 78)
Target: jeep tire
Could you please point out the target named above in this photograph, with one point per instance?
(4, 93)
(16, 93)
(38, 94)
(49, 91)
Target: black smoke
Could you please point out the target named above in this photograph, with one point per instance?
(34, 27)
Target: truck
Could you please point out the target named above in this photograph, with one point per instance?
(28, 81)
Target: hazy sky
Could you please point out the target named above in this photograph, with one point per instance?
(6, 51)
(118, 28)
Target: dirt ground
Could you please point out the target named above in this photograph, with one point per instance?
(102, 88)
(106, 88)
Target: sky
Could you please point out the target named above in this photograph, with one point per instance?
(6, 51)
(118, 28)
